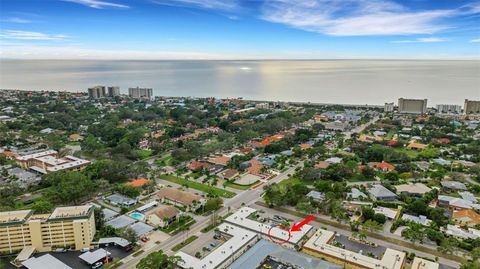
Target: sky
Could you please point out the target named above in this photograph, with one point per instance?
(239, 29)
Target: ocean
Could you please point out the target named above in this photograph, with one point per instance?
(371, 82)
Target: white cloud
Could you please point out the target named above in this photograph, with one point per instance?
(422, 40)
(16, 20)
(97, 4)
(225, 5)
(28, 35)
(74, 52)
(477, 40)
(356, 17)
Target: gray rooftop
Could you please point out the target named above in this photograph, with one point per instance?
(120, 221)
(316, 195)
(379, 191)
(46, 261)
(108, 214)
(253, 257)
(454, 185)
(141, 228)
(93, 257)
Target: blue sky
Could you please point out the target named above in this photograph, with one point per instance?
(238, 29)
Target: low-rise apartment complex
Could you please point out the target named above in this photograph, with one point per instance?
(72, 226)
(47, 161)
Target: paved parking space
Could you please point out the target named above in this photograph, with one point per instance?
(354, 246)
(204, 240)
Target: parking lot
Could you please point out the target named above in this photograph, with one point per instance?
(355, 246)
(204, 241)
(71, 259)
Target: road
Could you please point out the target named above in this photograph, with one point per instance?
(360, 128)
(247, 197)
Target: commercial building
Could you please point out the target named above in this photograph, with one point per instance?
(240, 241)
(113, 91)
(320, 245)
(46, 162)
(388, 107)
(471, 107)
(412, 106)
(419, 263)
(96, 92)
(140, 93)
(449, 109)
(289, 239)
(72, 226)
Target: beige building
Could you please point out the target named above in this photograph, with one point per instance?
(72, 226)
(412, 106)
(47, 161)
(471, 107)
(320, 245)
(181, 198)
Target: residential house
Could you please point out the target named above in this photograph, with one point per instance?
(219, 160)
(467, 217)
(356, 194)
(322, 165)
(379, 193)
(163, 216)
(455, 203)
(412, 189)
(316, 195)
(389, 213)
(120, 200)
(180, 198)
(420, 219)
(417, 146)
(456, 231)
(453, 185)
(229, 174)
(382, 166)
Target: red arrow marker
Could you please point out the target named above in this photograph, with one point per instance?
(296, 227)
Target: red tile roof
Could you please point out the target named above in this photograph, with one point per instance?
(382, 166)
(139, 182)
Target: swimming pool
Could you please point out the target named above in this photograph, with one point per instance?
(137, 216)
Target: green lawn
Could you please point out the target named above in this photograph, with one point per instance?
(143, 153)
(199, 186)
(291, 181)
(184, 243)
(410, 152)
(178, 226)
(238, 186)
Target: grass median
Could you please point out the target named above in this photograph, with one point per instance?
(198, 186)
(184, 243)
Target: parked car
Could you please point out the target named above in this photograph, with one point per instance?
(83, 250)
(97, 265)
(59, 250)
(213, 245)
(107, 259)
(128, 248)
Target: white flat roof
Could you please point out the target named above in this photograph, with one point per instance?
(319, 242)
(116, 240)
(147, 206)
(93, 257)
(239, 218)
(36, 155)
(240, 237)
(46, 261)
(419, 263)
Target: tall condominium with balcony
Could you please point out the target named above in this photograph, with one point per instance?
(140, 93)
(97, 92)
(412, 106)
(113, 91)
(72, 226)
(471, 107)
